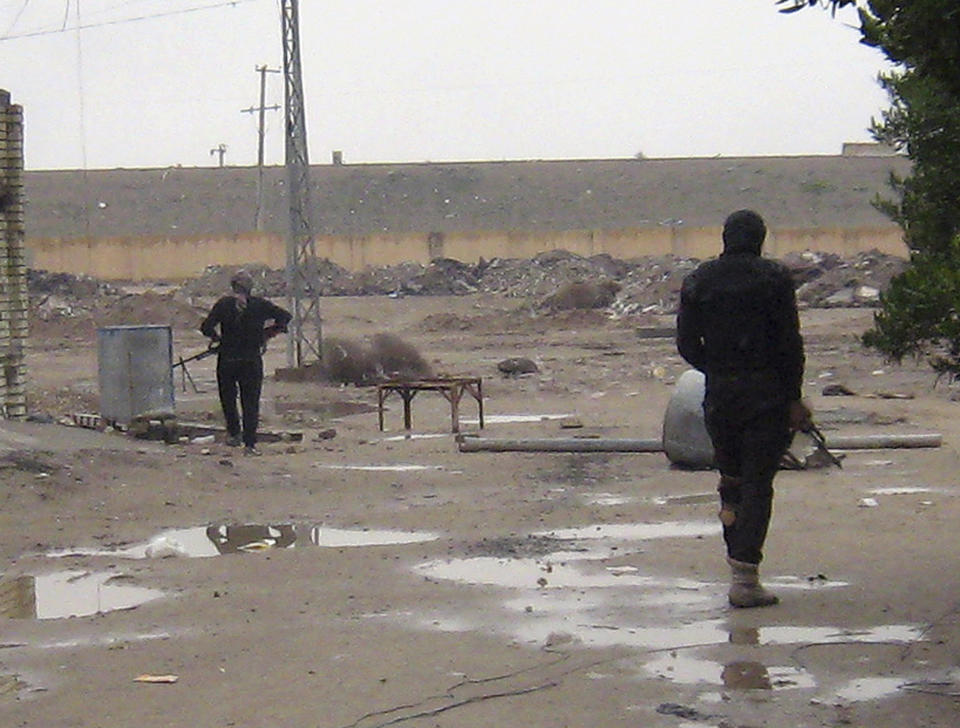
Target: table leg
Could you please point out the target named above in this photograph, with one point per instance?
(408, 395)
(480, 400)
(455, 393)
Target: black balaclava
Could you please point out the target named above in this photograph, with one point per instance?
(743, 232)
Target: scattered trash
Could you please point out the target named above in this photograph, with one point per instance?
(837, 390)
(681, 711)
(159, 679)
(164, 547)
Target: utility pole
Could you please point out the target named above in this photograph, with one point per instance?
(263, 71)
(220, 149)
(302, 280)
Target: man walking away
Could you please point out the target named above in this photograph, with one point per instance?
(238, 323)
(738, 324)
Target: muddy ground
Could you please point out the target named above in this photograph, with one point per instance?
(392, 580)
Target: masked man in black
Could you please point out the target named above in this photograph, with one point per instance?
(738, 324)
(242, 338)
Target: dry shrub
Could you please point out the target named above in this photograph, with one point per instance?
(396, 359)
(388, 357)
(348, 362)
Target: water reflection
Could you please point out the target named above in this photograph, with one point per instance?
(735, 675)
(234, 539)
(870, 688)
(746, 676)
(69, 594)
(214, 540)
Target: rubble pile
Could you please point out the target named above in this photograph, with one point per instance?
(215, 281)
(829, 281)
(545, 274)
(551, 282)
(55, 295)
(652, 285)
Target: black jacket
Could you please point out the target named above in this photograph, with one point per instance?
(738, 324)
(241, 334)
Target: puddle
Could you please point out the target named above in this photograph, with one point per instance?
(529, 573)
(586, 629)
(790, 635)
(70, 594)
(685, 500)
(398, 468)
(203, 541)
(416, 436)
(606, 499)
(603, 607)
(904, 490)
(638, 531)
(811, 582)
(508, 419)
(738, 675)
(870, 688)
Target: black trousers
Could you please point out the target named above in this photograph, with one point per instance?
(749, 440)
(243, 377)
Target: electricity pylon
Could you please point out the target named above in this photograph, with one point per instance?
(301, 271)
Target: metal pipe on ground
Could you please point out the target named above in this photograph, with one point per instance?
(576, 444)
(884, 442)
(559, 444)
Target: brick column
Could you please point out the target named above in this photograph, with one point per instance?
(13, 269)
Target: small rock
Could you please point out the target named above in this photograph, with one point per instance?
(837, 390)
(518, 365)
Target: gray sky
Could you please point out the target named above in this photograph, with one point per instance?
(435, 80)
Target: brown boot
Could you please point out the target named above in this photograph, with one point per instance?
(745, 589)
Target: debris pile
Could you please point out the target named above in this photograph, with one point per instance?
(652, 285)
(649, 284)
(829, 281)
(551, 282)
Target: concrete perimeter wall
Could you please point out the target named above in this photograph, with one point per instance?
(177, 258)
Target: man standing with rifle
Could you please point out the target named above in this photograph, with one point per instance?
(242, 338)
(738, 324)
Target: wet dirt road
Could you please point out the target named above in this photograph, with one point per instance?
(374, 579)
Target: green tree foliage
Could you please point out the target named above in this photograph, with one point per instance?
(920, 311)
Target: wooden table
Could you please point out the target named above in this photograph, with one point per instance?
(452, 388)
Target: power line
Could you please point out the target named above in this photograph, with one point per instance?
(17, 17)
(121, 21)
(83, 113)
